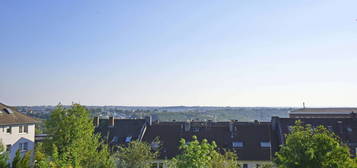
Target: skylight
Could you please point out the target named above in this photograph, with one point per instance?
(265, 144)
(8, 110)
(349, 129)
(128, 139)
(115, 139)
(237, 144)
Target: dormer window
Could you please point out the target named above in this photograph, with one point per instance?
(237, 144)
(195, 129)
(265, 144)
(155, 146)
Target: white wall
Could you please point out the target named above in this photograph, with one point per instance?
(15, 138)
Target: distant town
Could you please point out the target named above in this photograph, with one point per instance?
(169, 113)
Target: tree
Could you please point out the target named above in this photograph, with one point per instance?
(22, 161)
(17, 159)
(73, 142)
(26, 160)
(196, 154)
(310, 147)
(227, 160)
(3, 156)
(135, 155)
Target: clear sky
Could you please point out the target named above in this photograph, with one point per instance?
(182, 52)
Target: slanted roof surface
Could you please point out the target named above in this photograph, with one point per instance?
(122, 129)
(325, 110)
(251, 134)
(10, 116)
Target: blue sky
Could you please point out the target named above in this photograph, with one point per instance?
(222, 53)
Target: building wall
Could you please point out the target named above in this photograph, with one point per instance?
(15, 138)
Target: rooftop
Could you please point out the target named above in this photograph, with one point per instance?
(10, 116)
(325, 110)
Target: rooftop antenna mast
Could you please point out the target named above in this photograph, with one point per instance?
(303, 105)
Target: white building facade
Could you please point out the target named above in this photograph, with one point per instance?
(17, 131)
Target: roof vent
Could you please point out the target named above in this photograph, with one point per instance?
(8, 110)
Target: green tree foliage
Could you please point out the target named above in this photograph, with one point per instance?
(26, 160)
(309, 147)
(21, 161)
(267, 166)
(226, 160)
(3, 156)
(16, 161)
(73, 142)
(135, 155)
(196, 154)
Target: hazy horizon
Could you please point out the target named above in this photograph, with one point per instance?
(173, 53)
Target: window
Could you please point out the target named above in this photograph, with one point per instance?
(8, 148)
(349, 129)
(290, 128)
(23, 146)
(330, 128)
(8, 130)
(115, 139)
(265, 144)
(155, 146)
(128, 139)
(237, 144)
(21, 129)
(195, 129)
(26, 146)
(26, 129)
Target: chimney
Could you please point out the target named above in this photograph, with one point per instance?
(231, 124)
(187, 126)
(148, 120)
(96, 121)
(111, 121)
(340, 126)
(231, 128)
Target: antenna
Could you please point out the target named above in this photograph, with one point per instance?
(303, 105)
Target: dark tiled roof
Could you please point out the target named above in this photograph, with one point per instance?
(10, 116)
(324, 110)
(345, 128)
(123, 129)
(251, 134)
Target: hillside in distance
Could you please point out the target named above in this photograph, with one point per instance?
(170, 113)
